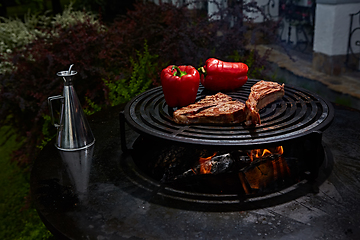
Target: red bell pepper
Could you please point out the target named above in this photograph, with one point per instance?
(180, 85)
(218, 75)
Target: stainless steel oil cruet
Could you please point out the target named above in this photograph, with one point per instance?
(73, 130)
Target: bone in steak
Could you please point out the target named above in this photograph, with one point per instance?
(214, 109)
(222, 109)
(262, 93)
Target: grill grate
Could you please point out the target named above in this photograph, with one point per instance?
(297, 114)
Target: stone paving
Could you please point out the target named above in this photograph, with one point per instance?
(347, 83)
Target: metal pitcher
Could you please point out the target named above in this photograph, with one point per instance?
(73, 130)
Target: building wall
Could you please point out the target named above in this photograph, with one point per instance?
(332, 24)
(331, 36)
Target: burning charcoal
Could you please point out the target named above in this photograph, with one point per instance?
(211, 165)
(272, 153)
(203, 170)
(262, 174)
(174, 161)
(216, 165)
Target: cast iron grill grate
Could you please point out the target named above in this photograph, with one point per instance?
(297, 114)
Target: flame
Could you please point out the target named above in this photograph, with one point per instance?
(264, 173)
(205, 164)
(261, 153)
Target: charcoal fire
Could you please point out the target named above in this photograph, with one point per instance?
(260, 175)
(210, 165)
(263, 153)
(244, 172)
(261, 169)
(206, 164)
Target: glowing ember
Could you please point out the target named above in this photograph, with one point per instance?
(263, 153)
(205, 164)
(264, 174)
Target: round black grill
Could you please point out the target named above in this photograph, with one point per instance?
(297, 114)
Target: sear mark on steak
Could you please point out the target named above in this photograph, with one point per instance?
(214, 109)
(262, 93)
(222, 109)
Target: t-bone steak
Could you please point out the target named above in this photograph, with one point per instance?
(262, 93)
(214, 109)
(221, 109)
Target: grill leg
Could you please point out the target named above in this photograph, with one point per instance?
(124, 147)
(315, 152)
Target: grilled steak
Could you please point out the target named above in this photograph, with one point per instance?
(222, 109)
(214, 109)
(262, 93)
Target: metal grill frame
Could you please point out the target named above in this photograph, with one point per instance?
(298, 114)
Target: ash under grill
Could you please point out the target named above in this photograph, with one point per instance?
(297, 114)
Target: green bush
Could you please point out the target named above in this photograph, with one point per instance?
(24, 89)
(144, 69)
(17, 33)
(18, 220)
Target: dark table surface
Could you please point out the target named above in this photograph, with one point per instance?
(90, 194)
